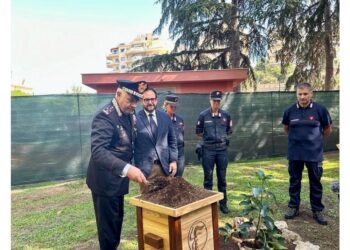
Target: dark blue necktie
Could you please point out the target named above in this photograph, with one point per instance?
(153, 125)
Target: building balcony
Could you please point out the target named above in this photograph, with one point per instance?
(136, 50)
(112, 56)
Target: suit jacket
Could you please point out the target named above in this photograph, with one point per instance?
(147, 148)
(111, 149)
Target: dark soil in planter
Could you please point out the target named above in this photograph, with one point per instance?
(173, 192)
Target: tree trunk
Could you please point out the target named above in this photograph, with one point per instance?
(235, 43)
(329, 50)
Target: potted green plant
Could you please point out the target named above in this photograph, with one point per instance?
(258, 230)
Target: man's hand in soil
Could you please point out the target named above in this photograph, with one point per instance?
(172, 168)
(136, 175)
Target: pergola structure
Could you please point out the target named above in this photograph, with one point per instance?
(197, 81)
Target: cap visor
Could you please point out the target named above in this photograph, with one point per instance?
(135, 98)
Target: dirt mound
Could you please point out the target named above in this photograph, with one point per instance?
(173, 192)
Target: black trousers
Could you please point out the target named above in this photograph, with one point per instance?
(109, 213)
(218, 158)
(180, 165)
(315, 170)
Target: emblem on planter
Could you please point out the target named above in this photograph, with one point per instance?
(197, 236)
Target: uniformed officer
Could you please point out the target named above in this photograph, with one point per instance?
(112, 136)
(306, 123)
(214, 125)
(169, 106)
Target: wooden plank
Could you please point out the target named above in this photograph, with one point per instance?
(139, 228)
(156, 224)
(215, 220)
(199, 204)
(177, 212)
(155, 217)
(154, 241)
(197, 232)
(175, 233)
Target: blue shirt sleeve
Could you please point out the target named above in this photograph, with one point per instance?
(326, 119)
(200, 125)
(285, 117)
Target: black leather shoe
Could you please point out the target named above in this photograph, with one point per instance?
(291, 213)
(224, 209)
(318, 216)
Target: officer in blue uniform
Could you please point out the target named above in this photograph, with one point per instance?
(169, 106)
(214, 125)
(306, 123)
(112, 138)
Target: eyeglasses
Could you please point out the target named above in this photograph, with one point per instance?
(149, 99)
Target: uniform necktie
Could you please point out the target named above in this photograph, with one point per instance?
(153, 125)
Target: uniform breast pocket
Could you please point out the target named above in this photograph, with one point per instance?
(208, 124)
(180, 127)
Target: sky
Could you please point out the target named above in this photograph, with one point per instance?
(55, 41)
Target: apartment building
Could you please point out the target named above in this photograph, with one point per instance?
(122, 57)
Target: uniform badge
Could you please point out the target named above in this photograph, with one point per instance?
(142, 87)
(311, 118)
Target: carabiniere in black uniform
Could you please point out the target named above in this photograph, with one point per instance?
(112, 140)
(179, 128)
(215, 130)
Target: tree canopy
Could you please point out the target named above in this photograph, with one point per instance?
(218, 34)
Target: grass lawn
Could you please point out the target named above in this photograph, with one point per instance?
(59, 215)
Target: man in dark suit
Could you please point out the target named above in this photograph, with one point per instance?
(155, 144)
(112, 136)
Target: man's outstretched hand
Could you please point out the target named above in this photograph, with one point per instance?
(135, 174)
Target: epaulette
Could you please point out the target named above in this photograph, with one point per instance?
(108, 109)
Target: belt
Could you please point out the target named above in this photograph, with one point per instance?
(215, 145)
(157, 162)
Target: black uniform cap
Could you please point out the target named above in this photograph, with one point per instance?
(136, 89)
(216, 95)
(171, 98)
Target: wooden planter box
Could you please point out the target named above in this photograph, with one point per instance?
(193, 226)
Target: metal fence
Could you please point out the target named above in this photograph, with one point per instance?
(51, 134)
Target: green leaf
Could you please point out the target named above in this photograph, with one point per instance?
(269, 223)
(228, 226)
(260, 174)
(223, 231)
(245, 196)
(256, 191)
(245, 225)
(245, 203)
(279, 246)
(264, 211)
(247, 210)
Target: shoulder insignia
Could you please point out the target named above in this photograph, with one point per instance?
(107, 110)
